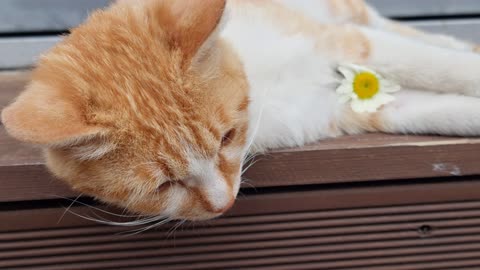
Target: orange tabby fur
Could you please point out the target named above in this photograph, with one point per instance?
(142, 97)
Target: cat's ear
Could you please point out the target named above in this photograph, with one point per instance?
(192, 25)
(42, 116)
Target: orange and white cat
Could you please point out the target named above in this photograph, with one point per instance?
(153, 105)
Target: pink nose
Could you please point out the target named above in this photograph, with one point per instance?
(226, 208)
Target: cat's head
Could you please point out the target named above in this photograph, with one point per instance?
(142, 106)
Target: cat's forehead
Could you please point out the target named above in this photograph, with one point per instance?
(123, 75)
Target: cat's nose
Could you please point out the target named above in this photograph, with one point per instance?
(226, 208)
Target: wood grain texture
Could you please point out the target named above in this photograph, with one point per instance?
(372, 157)
(363, 228)
(448, 196)
(11, 84)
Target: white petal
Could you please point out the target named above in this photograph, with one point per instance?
(360, 69)
(383, 99)
(354, 96)
(348, 73)
(351, 66)
(358, 106)
(389, 86)
(346, 92)
(345, 88)
(371, 106)
(365, 69)
(344, 98)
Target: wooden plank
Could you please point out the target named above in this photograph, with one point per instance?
(363, 227)
(449, 197)
(256, 257)
(44, 15)
(357, 208)
(367, 226)
(11, 85)
(372, 157)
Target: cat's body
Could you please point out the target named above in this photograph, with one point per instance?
(292, 85)
(152, 106)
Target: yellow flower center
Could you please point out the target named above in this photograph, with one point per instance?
(366, 85)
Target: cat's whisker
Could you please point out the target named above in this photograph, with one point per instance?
(134, 223)
(88, 218)
(247, 182)
(257, 125)
(241, 194)
(250, 186)
(174, 228)
(249, 157)
(75, 201)
(146, 228)
(249, 166)
(69, 207)
(103, 220)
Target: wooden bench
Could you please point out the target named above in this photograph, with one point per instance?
(364, 202)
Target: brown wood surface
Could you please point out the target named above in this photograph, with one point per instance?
(341, 228)
(11, 83)
(348, 159)
(259, 207)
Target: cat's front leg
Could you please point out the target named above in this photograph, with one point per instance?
(418, 112)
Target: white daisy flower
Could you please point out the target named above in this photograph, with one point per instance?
(365, 89)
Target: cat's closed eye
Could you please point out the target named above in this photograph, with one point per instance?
(164, 186)
(228, 137)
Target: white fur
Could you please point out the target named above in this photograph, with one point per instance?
(288, 80)
(421, 66)
(317, 10)
(205, 175)
(292, 85)
(175, 200)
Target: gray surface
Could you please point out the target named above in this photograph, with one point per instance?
(58, 15)
(55, 15)
(23, 52)
(44, 15)
(463, 29)
(409, 8)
